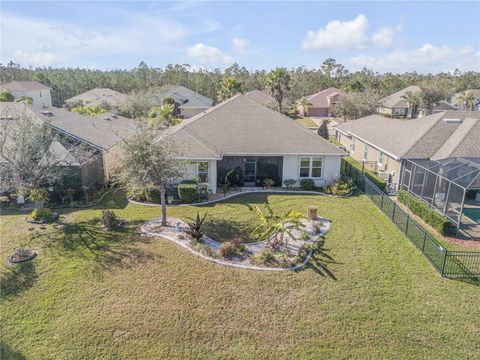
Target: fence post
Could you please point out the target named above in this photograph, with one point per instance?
(406, 226)
(444, 261)
(424, 240)
(393, 212)
(381, 204)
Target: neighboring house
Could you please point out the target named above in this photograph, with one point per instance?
(444, 106)
(395, 105)
(322, 102)
(187, 102)
(250, 142)
(384, 143)
(451, 99)
(261, 97)
(40, 93)
(97, 96)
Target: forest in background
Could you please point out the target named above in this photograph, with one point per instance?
(68, 82)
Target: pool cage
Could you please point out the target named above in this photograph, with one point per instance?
(444, 185)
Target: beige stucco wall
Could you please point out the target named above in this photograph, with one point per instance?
(330, 169)
(41, 98)
(189, 112)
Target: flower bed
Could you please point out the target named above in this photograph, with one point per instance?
(22, 255)
(253, 255)
(54, 216)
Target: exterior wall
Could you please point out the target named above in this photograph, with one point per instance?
(330, 169)
(41, 98)
(318, 112)
(191, 173)
(189, 112)
(110, 161)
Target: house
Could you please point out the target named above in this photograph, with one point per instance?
(187, 102)
(322, 102)
(383, 144)
(98, 96)
(40, 93)
(396, 106)
(452, 99)
(248, 142)
(262, 98)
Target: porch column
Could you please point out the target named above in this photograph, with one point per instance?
(212, 175)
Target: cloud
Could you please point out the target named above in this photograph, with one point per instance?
(205, 54)
(38, 58)
(352, 34)
(240, 45)
(427, 58)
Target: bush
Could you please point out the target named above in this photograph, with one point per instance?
(188, 192)
(341, 187)
(263, 257)
(195, 227)
(152, 194)
(289, 183)
(111, 204)
(430, 216)
(268, 183)
(307, 184)
(231, 248)
(109, 219)
(382, 184)
(45, 214)
(203, 249)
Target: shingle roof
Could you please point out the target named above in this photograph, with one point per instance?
(186, 98)
(321, 99)
(240, 126)
(420, 138)
(261, 97)
(23, 86)
(97, 95)
(98, 131)
(395, 100)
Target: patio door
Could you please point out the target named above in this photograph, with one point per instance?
(250, 172)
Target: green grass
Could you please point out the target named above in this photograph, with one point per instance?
(306, 122)
(93, 294)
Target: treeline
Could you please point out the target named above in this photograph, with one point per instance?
(68, 82)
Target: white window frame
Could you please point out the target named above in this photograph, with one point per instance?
(310, 166)
(365, 151)
(198, 170)
(352, 146)
(381, 157)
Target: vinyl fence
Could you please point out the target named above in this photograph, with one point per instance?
(452, 264)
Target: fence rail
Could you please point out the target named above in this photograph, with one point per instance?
(452, 264)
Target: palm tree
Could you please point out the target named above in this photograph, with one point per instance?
(278, 83)
(26, 100)
(465, 99)
(161, 116)
(304, 104)
(413, 101)
(229, 87)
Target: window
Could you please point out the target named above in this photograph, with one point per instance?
(202, 172)
(310, 167)
(380, 157)
(365, 152)
(353, 144)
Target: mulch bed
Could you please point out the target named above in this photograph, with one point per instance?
(22, 255)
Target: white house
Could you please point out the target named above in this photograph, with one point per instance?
(251, 143)
(38, 92)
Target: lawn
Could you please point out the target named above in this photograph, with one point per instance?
(92, 294)
(306, 122)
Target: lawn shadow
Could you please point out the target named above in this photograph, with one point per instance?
(6, 352)
(321, 260)
(227, 230)
(17, 278)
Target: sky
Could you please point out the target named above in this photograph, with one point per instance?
(427, 37)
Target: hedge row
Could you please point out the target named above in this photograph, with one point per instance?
(430, 216)
(380, 183)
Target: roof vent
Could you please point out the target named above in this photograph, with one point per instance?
(47, 113)
(453, 121)
(106, 118)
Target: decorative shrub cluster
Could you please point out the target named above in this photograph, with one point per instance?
(289, 183)
(204, 249)
(109, 219)
(263, 257)
(152, 194)
(430, 216)
(45, 214)
(231, 248)
(340, 187)
(188, 192)
(195, 227)
(268, 183)
(307, 184)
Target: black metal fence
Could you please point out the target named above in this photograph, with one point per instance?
(451, 264)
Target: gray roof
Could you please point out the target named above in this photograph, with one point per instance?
(102, 131)
(261, 97)
(97, 95)
(395, 100)
(431, 136)
(28, 85)
(240, 126)
(186, 98)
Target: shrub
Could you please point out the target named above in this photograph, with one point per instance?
(6, 96)
(35, 215)
(204, 249)
(263, 257)
(341, 187)
(268, 183)
(195, 227)
(430, 216)
(289, 183)
(307, 184)
(152, 194)
(231, 248)
(380, 183)
(109, 219)
(111, 204)
(188, 192)
(45, 214)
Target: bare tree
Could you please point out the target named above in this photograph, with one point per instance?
(147, 160)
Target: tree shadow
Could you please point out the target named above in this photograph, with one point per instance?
(321, 260)
(6, 352)
(227, 230)
(17, 278)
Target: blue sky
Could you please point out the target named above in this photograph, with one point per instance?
(384, 36)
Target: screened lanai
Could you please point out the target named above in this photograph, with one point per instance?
(452, 186)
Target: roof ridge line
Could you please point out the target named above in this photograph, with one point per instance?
(427, 130)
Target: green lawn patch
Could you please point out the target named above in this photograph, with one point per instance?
(306, 122)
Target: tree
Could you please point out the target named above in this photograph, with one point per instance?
(466, 100)
(6, 96)
(161, 116)
(323, 129)
(138, 104)
(229, 87)
(430, 96)
(413, 100)
(278, 83)
(148, 162)
(304, 104)
(26, 100)
(355, 105)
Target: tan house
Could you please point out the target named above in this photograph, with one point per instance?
(188, 103)
(395, 105)
(98, 96)
(383, 143)
(39, 93)
(322, 102)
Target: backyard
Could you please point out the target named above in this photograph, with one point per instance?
(97, 294)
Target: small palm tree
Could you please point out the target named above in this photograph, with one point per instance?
(466, 99)
(413, 101)
(161, 116)
(278, 84)
(26, 100)
(304, 104)
(229, 87)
